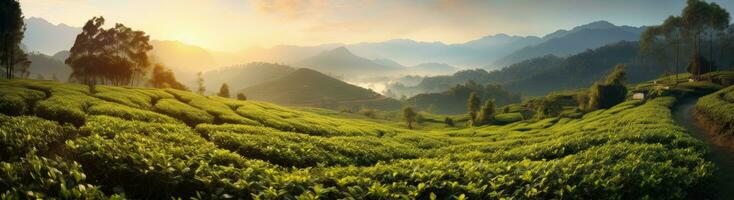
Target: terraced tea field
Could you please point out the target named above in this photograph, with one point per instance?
(60, 141)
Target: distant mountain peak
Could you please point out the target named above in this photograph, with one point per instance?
(339, 51)
(602, 24)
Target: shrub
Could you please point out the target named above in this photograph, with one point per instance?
(183, 112)
(35, 177)
(507, 118)
(129, 113)
(21, 135)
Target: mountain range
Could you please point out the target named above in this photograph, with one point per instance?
(541, 75)
(489, 52)
(567, 42)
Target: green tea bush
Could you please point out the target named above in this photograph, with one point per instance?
(297, 121)
(507, 118)
(35, 177)
(183, 112)
(301, 150)
(128, 97)
(24, 134)
(66, 106)
(158, 166)
(109, 126)
(129, 113)
(221, 112)
(717, 111)
(17, 100)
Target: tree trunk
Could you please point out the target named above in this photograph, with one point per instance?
(677, 53)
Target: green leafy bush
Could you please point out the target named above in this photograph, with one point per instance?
(35, 177)
(506, 118)
(717, 111)
(183, 112)
(24, 134)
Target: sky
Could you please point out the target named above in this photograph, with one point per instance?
(234, 25)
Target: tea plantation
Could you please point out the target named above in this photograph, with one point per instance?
(60, 141)
(716, 111)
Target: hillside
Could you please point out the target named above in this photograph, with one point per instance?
(564, 43)
(453, 101)
(306, 87)
(47, 38)
(48, 67)
(241, 76)
(151, 143)
(538, 76)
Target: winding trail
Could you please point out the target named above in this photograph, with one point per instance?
(720, 155)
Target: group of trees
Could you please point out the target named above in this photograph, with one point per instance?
(117, 56)
(12, 28)
(608, 92)
(164, 78)
(480, 115)
(687, 34)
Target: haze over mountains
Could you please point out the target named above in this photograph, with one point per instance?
(490, 52)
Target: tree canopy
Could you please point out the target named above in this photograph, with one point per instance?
(118, 55)
(224, 91)
(12, 28)
(409, 115)
(164, 78)
(685, 34)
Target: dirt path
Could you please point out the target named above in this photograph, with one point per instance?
(722, 156)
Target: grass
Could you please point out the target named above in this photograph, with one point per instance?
(154, 144)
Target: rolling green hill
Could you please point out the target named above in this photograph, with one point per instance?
(241, 76)
(61, 141)
(306, 87)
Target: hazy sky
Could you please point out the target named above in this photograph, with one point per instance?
(237, 24)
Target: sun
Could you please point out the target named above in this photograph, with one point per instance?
(189, 39)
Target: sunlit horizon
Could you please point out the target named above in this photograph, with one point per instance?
(239, 25)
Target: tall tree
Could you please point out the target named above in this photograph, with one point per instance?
(696, 20)
(224, 91)
(486, 114)
(409, 115)
(11, 34)
(164, 78)
(472, 106)
(200, 82)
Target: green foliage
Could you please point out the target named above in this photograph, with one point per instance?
(717, 111)
(184, 112)
(486, 114)
(409, 115)
(35, 177)
(610, 92)
(452, 101)
(506, 118)
(241, 96)
(25, 134)
(224, 91)
(17, 100)
(117, 110)
(632, 150)
(472, 107)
